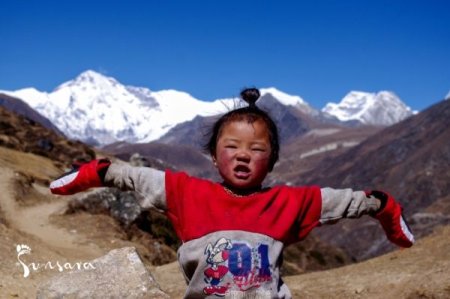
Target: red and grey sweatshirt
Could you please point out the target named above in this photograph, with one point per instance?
(232, 245)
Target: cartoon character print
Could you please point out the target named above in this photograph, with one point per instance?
(217, 254)
(246, 267)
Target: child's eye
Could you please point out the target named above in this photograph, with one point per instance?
(257, 149)
(230, 146)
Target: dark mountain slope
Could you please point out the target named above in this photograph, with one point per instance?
(20, 107)
(172, 156)
(410, 160)
(26, 135)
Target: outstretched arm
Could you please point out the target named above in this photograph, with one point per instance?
(150, 183)
(346, 203)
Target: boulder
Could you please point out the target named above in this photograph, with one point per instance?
(118, 274)
(121, 205)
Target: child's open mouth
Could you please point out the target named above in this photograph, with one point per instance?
(241, 172)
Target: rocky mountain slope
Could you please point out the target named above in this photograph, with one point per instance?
(304, 153)
(30, 215)
(20, 107)
(26, 135)
(409, 160)
(178, 158)
(419, 272)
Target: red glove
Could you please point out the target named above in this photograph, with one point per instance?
(391, 219)
(88, 175)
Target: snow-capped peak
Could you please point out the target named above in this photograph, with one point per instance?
(289, 100)
(34, 97)
(382, 108)
(100, 109)
(447, 97)
(282, 97)
(88, 79)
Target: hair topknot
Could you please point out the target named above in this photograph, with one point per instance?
(250, 95)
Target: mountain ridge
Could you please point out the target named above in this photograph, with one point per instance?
(381, 108)
(101, 110)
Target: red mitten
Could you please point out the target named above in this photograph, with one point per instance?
(391, 219)
(80, 179)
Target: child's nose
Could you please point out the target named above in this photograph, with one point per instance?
(243, 155)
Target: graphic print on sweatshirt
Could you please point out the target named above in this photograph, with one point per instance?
(235, 265)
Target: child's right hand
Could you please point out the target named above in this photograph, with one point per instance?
(87, 176)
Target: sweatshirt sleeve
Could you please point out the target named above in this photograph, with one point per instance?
(346, 203)
(148, 182)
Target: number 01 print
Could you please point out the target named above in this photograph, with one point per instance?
(242, 258)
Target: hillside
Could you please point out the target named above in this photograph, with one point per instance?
(409, 160)
(422, 271)
(20, 107)
(30, 215)
(26, 135)
(166, 156)
(414, 152)
(304, 153)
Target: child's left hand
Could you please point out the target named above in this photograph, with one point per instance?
(392, 221)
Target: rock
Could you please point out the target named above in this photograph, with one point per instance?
(122, 206)
(140, 161)
(118, 274)
(45, 144)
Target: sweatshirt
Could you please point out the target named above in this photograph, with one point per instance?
(232, 245)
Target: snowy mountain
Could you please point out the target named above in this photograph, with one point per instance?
(383, 108)
(99, 110)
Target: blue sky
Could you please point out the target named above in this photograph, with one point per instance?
(319, 50)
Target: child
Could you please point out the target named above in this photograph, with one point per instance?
(234, 232)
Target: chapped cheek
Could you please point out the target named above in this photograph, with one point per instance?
(261, 157)
(225, 155)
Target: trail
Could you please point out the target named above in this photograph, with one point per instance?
(35, 220)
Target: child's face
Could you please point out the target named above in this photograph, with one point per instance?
(243, 153)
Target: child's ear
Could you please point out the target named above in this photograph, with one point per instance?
(214, 161)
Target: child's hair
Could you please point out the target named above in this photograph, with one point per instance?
(251, 113)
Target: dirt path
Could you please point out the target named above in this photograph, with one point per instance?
(31, 216)
(35, 220)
